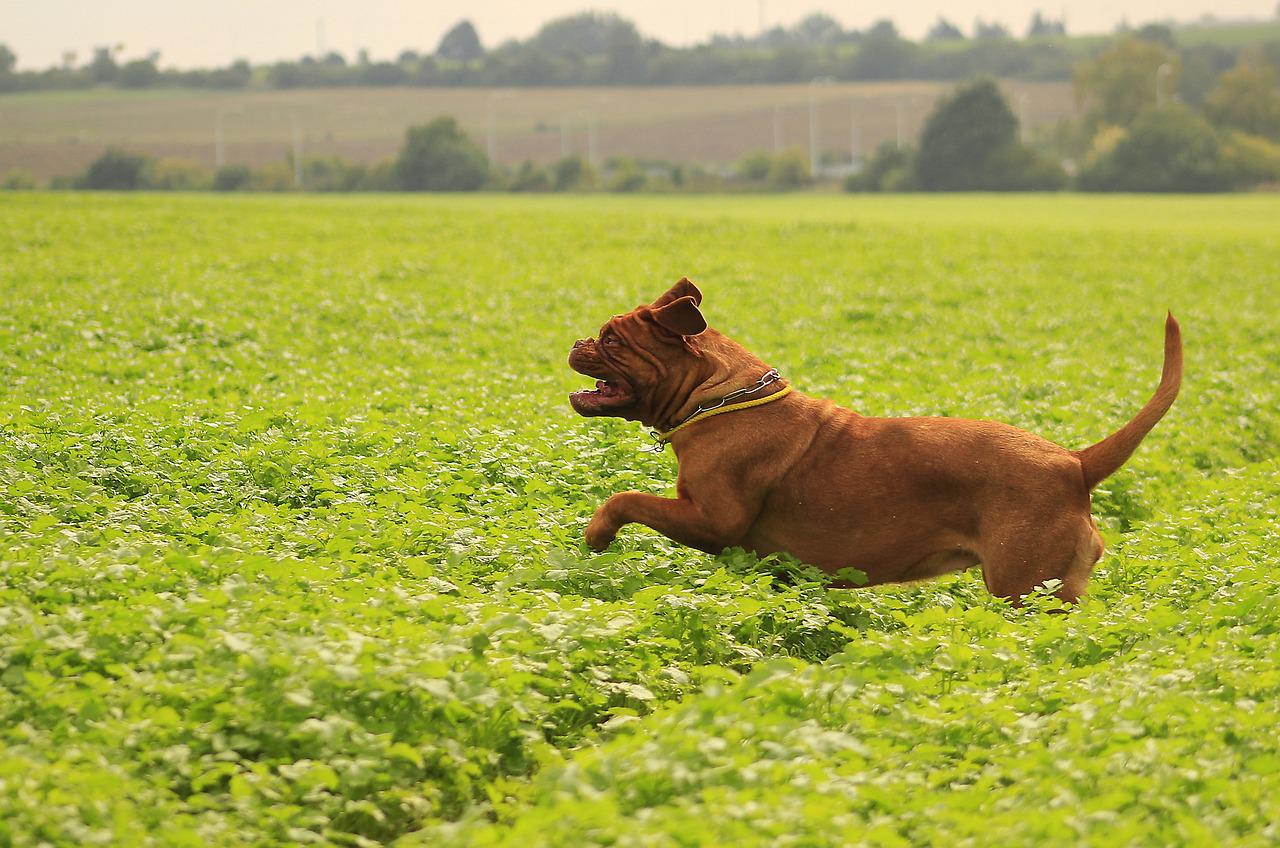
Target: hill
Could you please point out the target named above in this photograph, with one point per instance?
(58, 133)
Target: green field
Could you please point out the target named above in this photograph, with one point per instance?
(291, 503)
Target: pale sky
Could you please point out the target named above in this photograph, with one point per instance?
(204, 34)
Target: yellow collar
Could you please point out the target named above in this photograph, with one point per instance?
(661, 438)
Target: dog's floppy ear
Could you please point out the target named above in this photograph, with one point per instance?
(681, 316)
(684, 288)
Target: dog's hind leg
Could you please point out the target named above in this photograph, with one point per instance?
(1018, 559)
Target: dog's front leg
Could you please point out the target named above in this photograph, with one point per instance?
(679, 519)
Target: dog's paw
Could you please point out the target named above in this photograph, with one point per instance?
(600, 532)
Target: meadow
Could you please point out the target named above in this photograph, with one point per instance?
(291, 505)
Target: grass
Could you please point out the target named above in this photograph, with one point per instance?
(291, 504)
(59, 133)
(1230, 34)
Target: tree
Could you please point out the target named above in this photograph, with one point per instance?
(624, 48)
(1121, 82)
(970, 143)
(461, 43)
(570, 173)
(140, 73)
(1250, 159)
(889, 169)
(883, 28)
(115, 170)
(1167, 148)
(18, 181)
(103, 67)
(755, 166)
(1042, 27)
(8, 59)
(530, 178)
(789, 170)
(944, 30)
(627, 175)
(883, 56)
(1157, 34)
(1246, 98)
(440, 157)
(588, 34)
(993, 31)
(232, 178)
(817, 29)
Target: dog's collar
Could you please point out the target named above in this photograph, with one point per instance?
(722, 405)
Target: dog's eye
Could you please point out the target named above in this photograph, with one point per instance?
(610, 339)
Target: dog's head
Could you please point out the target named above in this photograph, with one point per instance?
(645, 361)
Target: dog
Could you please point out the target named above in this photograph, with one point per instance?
(769, 469)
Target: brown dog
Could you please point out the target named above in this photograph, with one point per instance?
(898, 498)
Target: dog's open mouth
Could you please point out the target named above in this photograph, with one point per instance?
(607, 395)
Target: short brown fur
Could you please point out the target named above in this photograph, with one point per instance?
(898, 498)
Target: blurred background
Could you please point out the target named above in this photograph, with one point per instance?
(657, 96)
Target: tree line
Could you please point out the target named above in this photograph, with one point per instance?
(1134, 136)
(604, 49)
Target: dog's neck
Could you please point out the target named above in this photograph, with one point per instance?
(726, 367)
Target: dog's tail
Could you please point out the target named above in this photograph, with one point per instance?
(1100, 461)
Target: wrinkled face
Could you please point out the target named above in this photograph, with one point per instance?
(635, 353)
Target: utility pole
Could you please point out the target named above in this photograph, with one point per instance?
(297, 150)
(593, 142)
(777, 129)
(219, 147)
(853, 134)
(898, 121)
(814, 164)
(493, 128)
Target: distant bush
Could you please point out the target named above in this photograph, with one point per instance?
(783, 171)
(1019, 168)
(18, 181)
(970, 143)
(626, 176)
(530, 177)
(179, 175)
(331, 173)
(1167, 149)
(755, 166)
(1250, 159)
(1120, 83)
(440, 157)
(1247, 99)
(380, 176)
(789, 170)
(232, 178)
(571, 172)
(890, 168)
(115, 170)
(274, 176)
(141, 73)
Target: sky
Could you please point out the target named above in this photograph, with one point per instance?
(205, 34)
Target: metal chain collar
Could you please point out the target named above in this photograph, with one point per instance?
(660, 441)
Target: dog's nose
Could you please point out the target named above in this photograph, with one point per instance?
(579, 343)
